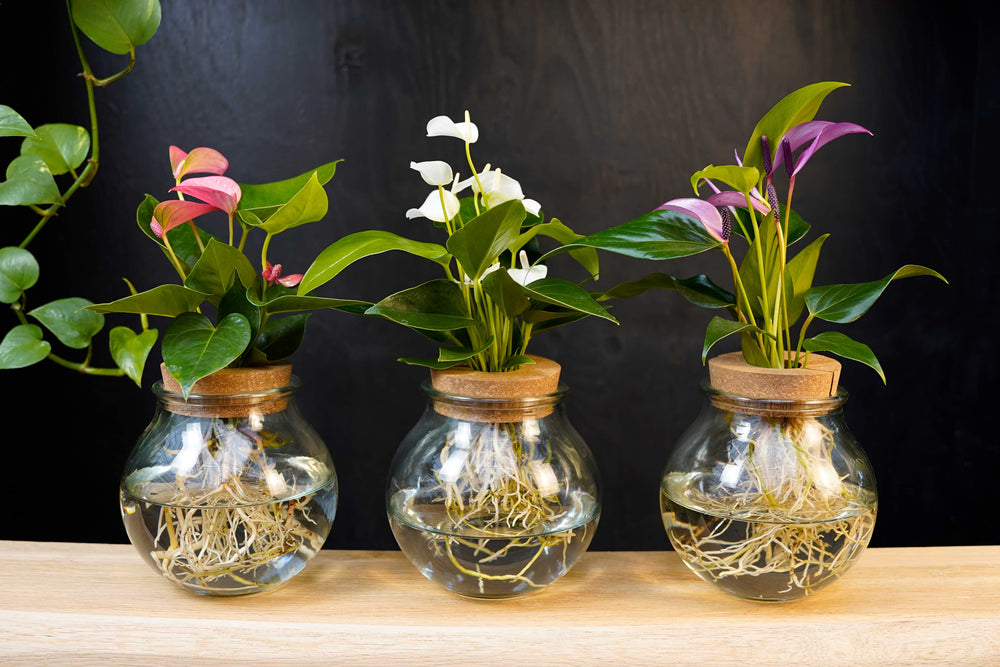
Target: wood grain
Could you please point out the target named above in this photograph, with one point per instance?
(85, 604)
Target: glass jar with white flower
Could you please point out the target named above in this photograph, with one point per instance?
(493, 493)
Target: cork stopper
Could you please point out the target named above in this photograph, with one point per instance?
(529, 381)
(731, 374)
(208, 396)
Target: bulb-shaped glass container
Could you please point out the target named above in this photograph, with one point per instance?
(228, 493)
(769, 499)
(493, 497)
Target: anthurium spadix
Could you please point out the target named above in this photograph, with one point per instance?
(705, 213)
(200, 160)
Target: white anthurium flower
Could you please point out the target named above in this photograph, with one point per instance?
(498, 188)
(442, 126)
(527, 274)
(532, 207)
(431, 208)
(434, 172)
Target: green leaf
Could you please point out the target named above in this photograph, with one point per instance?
(130, 350)
(655, 235)
(506, 292)
(307, 205)
(117, 26)
(282, 336)
(62, 147)
(797, 107)
(429, 363)
(517, 361)
(799, 274)
(841, 345)
(699, 290)
(720, 328)
(18, 272)
(29, 181)
(447, 357)
(69, 320)
(436, 305)
(215, 271)
(565, 294)
(481, 240)
(750, 272)
(797, 227)
(144, 215)
(586, 257)
(12, 124)
(290, 303)
(23, 346)
(545, 319)
(752, 352)
(193, 348)
(741, 179)
(846, 303)
(236, 301)
(261, 201)
(349, 249)
(165, 300)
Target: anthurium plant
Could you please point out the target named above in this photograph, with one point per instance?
(773, 289)
(216, 274)
(491, 300)
(56, 161)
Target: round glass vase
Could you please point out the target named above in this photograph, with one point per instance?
(231, 491)
(768, 496)
(493, 494)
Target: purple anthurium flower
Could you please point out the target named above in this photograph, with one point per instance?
(199, 161)
(221, 192)
(705, 213)
(733, 198)
(816, 133)
(169, 214)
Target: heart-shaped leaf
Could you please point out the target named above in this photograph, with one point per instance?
(12, 124)
(236, 301)
(117, 26)
(567, 295)
(282, 336)
(69, 320)
(130, 350)
(349, 249)
(720, 328)
(436, 305)
(214, 271)
(62, 147)
(165, 300)
(18, 272)
(193, 348)
(307, 205)
(23, 346)
(261, 201)
(842, 345)
(846, 303)
(29, 181)
(481, 240)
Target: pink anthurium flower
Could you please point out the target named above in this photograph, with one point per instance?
(816, 133)
(169, 214)
(199, 161)
(291, 280)
(705, 213)
(272, 274)
(220, 191)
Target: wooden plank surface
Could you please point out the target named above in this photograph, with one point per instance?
(90, 604)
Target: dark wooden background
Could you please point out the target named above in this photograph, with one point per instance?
(602, 110)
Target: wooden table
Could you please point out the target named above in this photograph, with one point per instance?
(94, 604)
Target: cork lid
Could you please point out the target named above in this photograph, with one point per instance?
(529, 381)
(210, 395)
(731, 374)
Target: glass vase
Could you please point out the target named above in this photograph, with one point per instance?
(493, 496)
(229, 493)
(769, 499)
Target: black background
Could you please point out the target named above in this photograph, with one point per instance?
(602, 110)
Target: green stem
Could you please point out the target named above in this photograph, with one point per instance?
(243, 238)
(765, 306)
(802, 337)
(114, 77)
(263, 251)
(740, 289)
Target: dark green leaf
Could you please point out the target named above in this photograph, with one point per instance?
(282, 336)
(235, 301)
(545, 319)
(436, 305)
(429, 363)
(290, 303)
(261, 201)
(12, 124)
(799, 276)
(193, 348)
(29, 181)
(165, 300)
(453, 353)
(699, 290)
(565, 294)
(18, 272)
(720, 328)
(506, 293)
(752, 352)
(846, 303)
(349, 249)
(481, 240)
(130, 350)
(655, 235)
(797, 107)
(62, 147)
(117, 26)
(69, 320)
(218, 267)
(307, 205)
(587, 257)
(23, 346)
(516, 361)
(841, 345)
